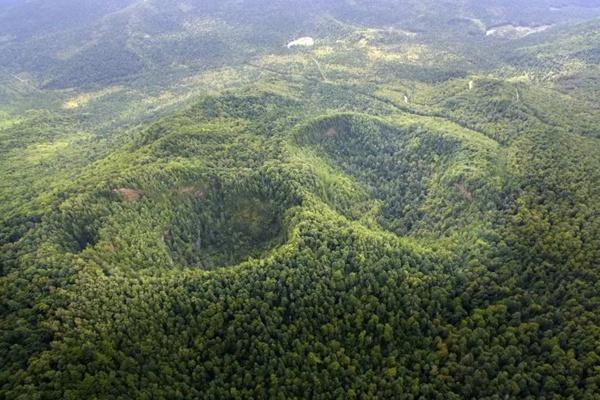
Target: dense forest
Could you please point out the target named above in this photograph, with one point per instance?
(407, 209)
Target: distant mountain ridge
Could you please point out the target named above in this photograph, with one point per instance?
(84, 48)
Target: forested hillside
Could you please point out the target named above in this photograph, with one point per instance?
(408, 208)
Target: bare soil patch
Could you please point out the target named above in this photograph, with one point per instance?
(129, 195)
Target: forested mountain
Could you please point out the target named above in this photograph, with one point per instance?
(405, 205)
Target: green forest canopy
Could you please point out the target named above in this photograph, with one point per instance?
(383, 215)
